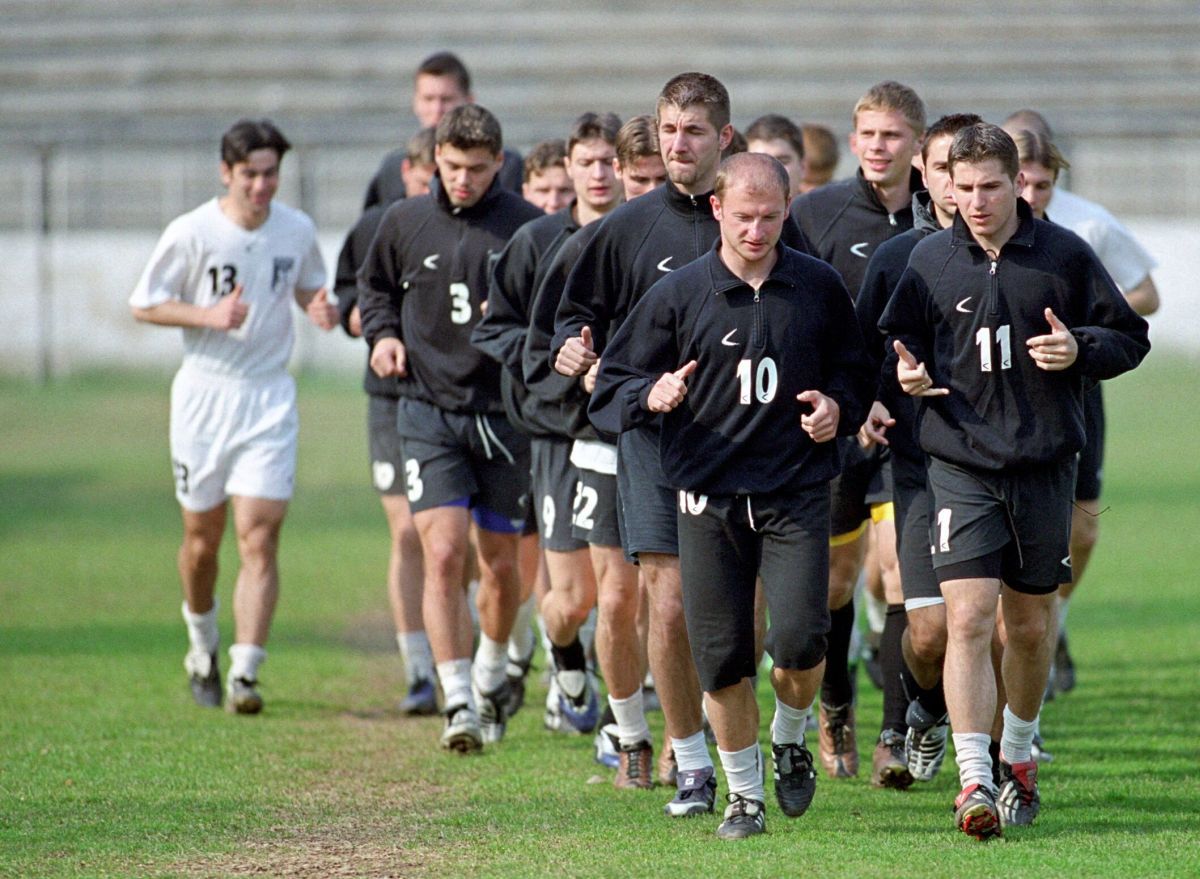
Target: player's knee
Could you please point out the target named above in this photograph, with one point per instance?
(618, 604)
(1029, 632)
(970, 624)
(927, 636)
(444, 560)
(199, 549)
(1085, 530)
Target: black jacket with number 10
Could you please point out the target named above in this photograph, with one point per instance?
(738, 429)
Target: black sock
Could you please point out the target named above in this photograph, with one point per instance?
(891, 661)
(932, 700)
(994, 753)
(571, 657)
(836, 688)
(607, 716)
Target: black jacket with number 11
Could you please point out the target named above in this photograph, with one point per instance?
(423, 282)
(738, 429)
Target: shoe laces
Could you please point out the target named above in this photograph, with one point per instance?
(742, 807)
(633, 762)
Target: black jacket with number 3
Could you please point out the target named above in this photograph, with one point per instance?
(738, 429)
(423, 281)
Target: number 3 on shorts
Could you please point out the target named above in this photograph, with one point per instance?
(412, 476)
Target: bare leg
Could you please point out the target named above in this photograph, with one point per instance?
(197, 559)
(257, 522)
(406, 573)
(670, 653)
(618, 645)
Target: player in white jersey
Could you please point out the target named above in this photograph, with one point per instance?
(224, 273)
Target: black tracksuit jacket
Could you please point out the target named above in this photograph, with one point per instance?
(846, 221)
(738, 429)
(884, 269)
(968, 316)
(635, 246)
(423, 282)
(502, 331)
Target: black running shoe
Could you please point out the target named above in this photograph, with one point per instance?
(795, 778)
(743, 817)
(1064, 666)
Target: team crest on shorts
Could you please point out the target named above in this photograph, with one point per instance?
(281, 273)
(384, 474)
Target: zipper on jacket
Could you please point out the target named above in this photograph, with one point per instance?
(758, 339)
(892, 219)
(993, 292)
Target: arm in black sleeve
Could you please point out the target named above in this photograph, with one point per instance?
(645, 347)
(354, 251)
(501, 331)
(905, 319)
(537, 368)
(1116, 339)
(868, 309)
(592, 287)
(851, 380)
(380, 288)
(793, 236)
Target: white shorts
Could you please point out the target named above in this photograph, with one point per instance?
(232, 436)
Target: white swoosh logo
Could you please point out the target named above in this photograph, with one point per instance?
(662, 266)
(728, 340)
(860, 249)
(431, 261)
(1067, 561)
(960, 305)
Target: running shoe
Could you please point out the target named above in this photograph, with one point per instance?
(1018, 800)
(634, 766)
(421, 699)
(889, 764)
(925, 741)
(493, 712)
(975, 812)
(204, 676)
(695, 793)
(839, 753)
(795, 778)
(462, 733)
(743, 817)
(243, 696)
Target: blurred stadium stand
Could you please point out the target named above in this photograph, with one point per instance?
(109, 111)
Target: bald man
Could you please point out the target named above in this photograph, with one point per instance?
(743, 370)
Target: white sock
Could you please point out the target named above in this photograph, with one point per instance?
(244, 660)
(1016, 742)
(974, 762)
(692, 753)
(788, 726)
(202, 629)
(520, 642)
(491, 664)
(631, 719)
(876, 615)
(455, 678)
(416, 654)
(472, 604)
(744, 771)
(1063, 605)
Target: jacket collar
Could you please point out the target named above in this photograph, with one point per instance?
(924, 215)
(1023, 237)
(682, 203)
(723, 280)
(915, 184)
(480, 207)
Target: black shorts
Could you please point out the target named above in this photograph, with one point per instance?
(648, 503)
(725, 542)
(1015, 526)
(594, 518)
(478, 461)
(912, 505)
(554, 488)
(864, 484)
(383, 443)
(1089, 480)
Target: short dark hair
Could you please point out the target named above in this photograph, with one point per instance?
(547, 154)
(772, 126)
(950, 124)
(470, 126)
(1035, 147)
(689, 89)
(637, 138)
(593, 126)
(758, 169)
(419, 149)
(446, 64)
(247, 135)
(982, 142)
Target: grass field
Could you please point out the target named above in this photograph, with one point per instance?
(107, 769)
